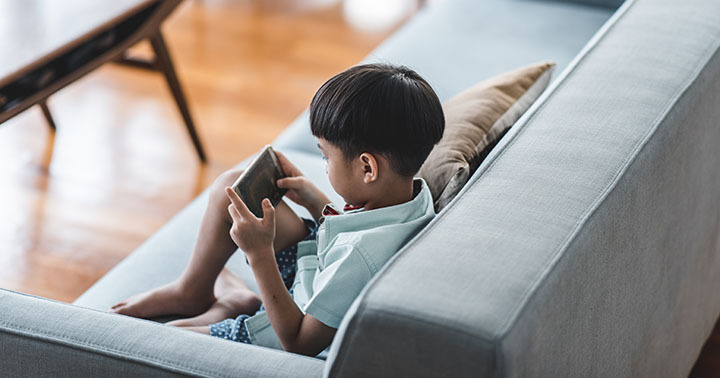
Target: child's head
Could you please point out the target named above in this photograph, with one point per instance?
(381, 120)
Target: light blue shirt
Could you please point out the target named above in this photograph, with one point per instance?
(349, 250)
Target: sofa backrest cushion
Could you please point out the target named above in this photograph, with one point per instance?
(448, 45)
(475, 120)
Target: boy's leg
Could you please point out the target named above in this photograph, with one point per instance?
(223, 308)
(205, 330)
(233, 298)
(192, 293)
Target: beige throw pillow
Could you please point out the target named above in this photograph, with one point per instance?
(474, 122)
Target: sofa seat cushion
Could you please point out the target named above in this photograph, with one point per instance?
(162, 258)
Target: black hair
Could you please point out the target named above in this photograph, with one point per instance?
(379, 108)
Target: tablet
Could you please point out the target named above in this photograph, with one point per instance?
(258, 181)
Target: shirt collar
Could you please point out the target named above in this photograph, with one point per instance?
(356, 219)
(330, 209)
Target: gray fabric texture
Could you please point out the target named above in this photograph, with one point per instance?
(648, 252)
(642, 296)
(454, 44)
(42, 338)
(587, 243)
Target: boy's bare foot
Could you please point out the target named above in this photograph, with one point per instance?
(170, 299)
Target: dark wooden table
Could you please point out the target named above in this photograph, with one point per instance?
(48, 44)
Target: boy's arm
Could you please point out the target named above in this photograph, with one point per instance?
(297, 332)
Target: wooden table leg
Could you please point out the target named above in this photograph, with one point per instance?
(130, 61)
(46, 113)
(165, 65)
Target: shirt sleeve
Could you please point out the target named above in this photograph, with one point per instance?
(338, 284)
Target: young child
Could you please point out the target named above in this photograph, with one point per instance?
(375, 125)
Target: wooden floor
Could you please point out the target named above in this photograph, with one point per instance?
(121, 164)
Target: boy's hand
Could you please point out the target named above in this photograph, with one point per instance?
(300, 189)
(254, 236)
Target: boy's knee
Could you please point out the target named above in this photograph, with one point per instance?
(224, 180)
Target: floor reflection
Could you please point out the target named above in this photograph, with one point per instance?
(378, 15)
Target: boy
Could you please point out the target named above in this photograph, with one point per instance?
(375, 125)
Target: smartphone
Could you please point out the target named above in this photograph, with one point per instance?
(259, 181)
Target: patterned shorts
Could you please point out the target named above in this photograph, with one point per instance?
(234, 329)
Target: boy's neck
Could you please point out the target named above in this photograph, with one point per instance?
(394, 193)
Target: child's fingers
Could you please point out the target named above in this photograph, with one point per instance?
(234, 214)
(268, 212)
(238, 204)
(284, 163)
(289, 182)
(288, 168)
(232, 196)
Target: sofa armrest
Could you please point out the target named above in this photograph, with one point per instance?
(40, 337)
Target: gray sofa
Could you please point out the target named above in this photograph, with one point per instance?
(586, 244)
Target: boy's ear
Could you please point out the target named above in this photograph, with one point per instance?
(369, 166)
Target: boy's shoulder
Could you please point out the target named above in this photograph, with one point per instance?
(356, 219)
(378, 232)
